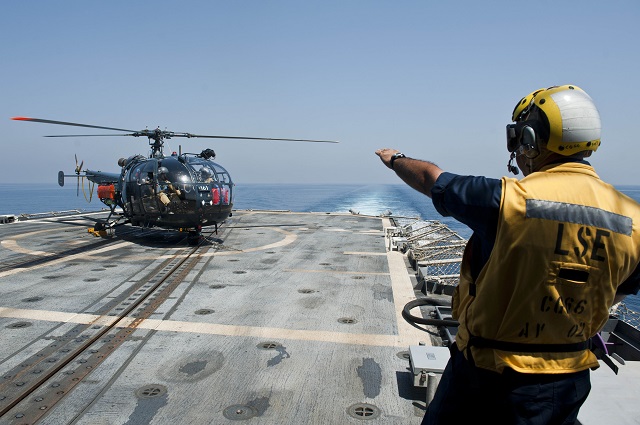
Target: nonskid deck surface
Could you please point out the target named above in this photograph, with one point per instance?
(280, 318)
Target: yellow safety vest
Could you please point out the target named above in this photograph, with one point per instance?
(565, 241)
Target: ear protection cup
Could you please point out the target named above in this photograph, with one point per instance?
(528, 142)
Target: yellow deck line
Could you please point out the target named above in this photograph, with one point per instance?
(65, 259)
(209, 328)
(402, 294)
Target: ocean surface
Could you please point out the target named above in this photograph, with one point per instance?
(367, 199)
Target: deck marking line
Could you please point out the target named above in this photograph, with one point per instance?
(57, 316)
(271, 333)
(334, 271)
(68, 258)
(208, 328)
(402, 294)
(13, 245)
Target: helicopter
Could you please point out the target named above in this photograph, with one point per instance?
(180, 191)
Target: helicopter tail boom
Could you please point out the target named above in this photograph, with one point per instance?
(93, 176)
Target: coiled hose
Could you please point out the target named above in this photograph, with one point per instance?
(425, 301)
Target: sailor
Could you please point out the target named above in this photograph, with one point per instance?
(549, 255)
(206, 175)
(166, 189)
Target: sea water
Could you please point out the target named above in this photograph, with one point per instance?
(366, 199)
(399, 200)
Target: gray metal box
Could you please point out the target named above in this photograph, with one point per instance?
(425, 359)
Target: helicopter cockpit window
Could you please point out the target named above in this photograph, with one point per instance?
(174, 171)
(224, 178)
(136, 175)
(204, 171)
(145, 181)
(143, 173)
(216, 178)
(206, 175)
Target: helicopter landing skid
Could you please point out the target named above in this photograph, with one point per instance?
(107, 224)
(195, 236)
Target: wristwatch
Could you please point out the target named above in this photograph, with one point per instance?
(396, 156)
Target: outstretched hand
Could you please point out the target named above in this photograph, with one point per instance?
(385, 155)
(419, 174)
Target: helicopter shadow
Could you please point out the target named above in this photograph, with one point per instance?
(149, 237)
(77, 220)
(159, 238)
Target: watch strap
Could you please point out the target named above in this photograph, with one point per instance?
(394, 157)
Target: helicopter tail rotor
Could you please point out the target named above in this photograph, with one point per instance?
(78, 167)
(78, 170)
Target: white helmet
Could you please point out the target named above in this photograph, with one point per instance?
(564, 118)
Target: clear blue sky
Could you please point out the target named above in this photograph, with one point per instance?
(435, 79)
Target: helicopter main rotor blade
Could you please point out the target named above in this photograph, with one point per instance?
(157, 134)
(68, 123)
(252, 138)
(89, 135)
